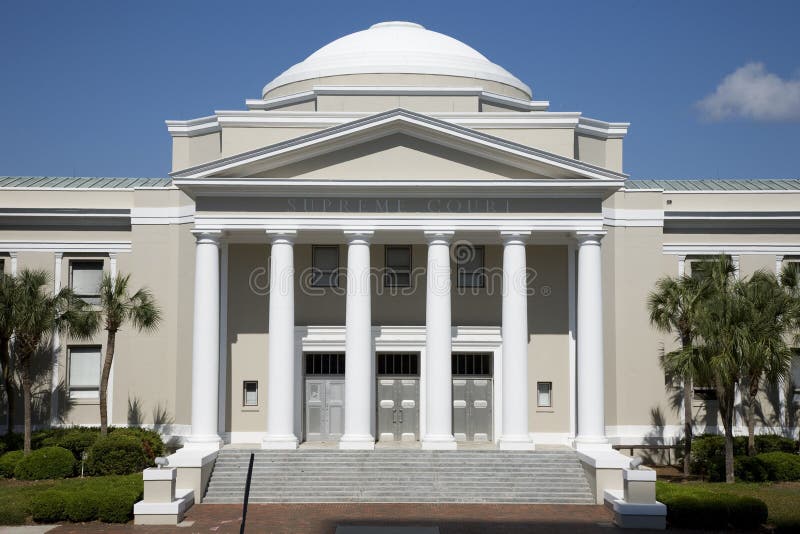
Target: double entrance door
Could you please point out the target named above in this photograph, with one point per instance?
(398, 396)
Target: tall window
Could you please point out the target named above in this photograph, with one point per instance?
(84, 372)
(470, 266)
(398, 266)
(85, 277)
(325, 266)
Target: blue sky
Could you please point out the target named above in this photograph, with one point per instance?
(86, 85)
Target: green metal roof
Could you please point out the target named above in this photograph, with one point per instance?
(62, 182)
(716, 185)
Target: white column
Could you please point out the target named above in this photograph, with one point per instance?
(13, 263)
(223, 338)
(515, 433)
(591, 399)
(280, 370)
(438, 340)
(54, 374)
(573, 339)
(205, 342)
(359, 379)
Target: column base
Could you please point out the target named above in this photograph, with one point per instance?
(357, 442)
(208, 442)
(591, 443)
(439, 443)
(279, 443)
(515, 443)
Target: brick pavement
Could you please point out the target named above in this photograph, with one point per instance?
(323, 518)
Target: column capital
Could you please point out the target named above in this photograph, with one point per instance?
(358, 237)
(515, 237)
(439, 237)
(13, 254)
(207, 236)
(590, 237)
(282, 236)
(58, 255)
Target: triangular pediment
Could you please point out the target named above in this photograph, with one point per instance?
(398, 156)
(401, 145)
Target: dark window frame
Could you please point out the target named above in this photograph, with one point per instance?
(477, 276)
(549, 394)
(244, 392)
(325, 277)
(93, 299)
(390, 273)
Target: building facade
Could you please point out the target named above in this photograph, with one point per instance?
(395, 243)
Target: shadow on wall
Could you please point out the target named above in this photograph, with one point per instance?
(162, 420)
(42, 393)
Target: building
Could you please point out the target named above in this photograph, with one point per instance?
(396, 242)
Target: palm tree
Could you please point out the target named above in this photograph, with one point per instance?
(766, 354)
(721, 324)
(8, 287)
(673, 307)
(117, 306)
(38, 315)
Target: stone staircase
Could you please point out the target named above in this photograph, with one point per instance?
(489, 476)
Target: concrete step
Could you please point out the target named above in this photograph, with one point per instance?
(400, 476)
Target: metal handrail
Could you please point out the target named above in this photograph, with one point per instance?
(247, 492)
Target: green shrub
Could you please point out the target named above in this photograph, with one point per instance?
(46, 463)
(116, 454)
(699, 508)
(13, 441)
(81, 506)
(152, 444)
(780, 466)
(773, 443)
(48, 506)
(77, 440)
(12, 515)
(116, 507)
(8, 462)
(749, 469)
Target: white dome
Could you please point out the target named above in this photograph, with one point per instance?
(397, 47)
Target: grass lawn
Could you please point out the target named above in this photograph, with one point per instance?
(782, 498)
(16, 495)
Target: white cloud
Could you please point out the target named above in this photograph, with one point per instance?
(750, 92)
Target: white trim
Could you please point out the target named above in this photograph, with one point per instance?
(689, 249)
(56, 340)
(394, 223)
(14, 263)
(222, 389)
(65, 246)
(164, 215)
(550, 438)
(193, 127)
(602, 129)
(633, 217)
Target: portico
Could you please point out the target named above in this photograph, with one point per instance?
(360, 339)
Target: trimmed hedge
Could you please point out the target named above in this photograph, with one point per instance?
(8, 462)
(46, 463)
(115, 505)
(117, 454)
(708, 454)
(48, 507)
(81, 507)
(151, 440)
(76, 440)
(781, 466)
(696, 507)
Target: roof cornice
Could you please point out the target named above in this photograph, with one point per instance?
(395, 121)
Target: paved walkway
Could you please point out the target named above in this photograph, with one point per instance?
(324, 518)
